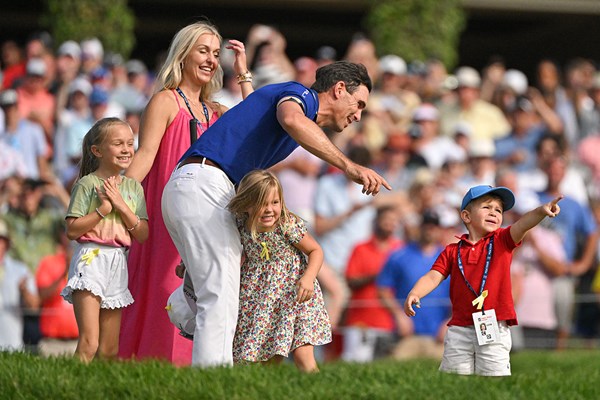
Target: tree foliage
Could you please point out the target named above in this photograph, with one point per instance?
(417, 29)
(111, 21)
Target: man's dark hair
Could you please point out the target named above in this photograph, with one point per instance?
(353, 75)
(559, 140)
(359, 155)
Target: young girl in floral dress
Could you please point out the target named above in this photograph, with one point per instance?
(281, 303)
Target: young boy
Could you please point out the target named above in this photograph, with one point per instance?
(480, 288)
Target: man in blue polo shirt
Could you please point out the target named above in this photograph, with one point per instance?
(576, 226)
(423, 336)
(256, 134)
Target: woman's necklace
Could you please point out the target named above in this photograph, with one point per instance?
(204, 108)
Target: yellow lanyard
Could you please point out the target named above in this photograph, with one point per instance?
(265, 251)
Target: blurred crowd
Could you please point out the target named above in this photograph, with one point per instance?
(431, 132)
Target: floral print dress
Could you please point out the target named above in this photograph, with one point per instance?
(270, 321)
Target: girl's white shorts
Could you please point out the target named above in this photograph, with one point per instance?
(101, 270)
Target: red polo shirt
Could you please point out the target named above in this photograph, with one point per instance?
(57, 318)
(365, 309)
(498, 282)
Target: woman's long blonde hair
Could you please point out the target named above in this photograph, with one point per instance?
(170, 75)
(252, 194)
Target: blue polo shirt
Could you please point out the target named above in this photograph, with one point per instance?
(402, 270)
(508, 145)
(574, 222)
(249, 136)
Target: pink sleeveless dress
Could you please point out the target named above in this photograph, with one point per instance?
(146, 331)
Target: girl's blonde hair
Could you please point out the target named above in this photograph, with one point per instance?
(95, 137)
(252, 194)
(170, 75)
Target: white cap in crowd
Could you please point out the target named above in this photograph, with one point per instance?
(392, 64)
(463, 128)
(426, 112)
(36, 67)
(516, 81)
(92, 48)
(70, 48)
(449, 218)
(482, 148)
(8, 97)
(450, 82)
(468, 77)
(80, 85)
(135, 67)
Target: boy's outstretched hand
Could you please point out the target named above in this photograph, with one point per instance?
(552, 209)
(408, 305)
(534, 217)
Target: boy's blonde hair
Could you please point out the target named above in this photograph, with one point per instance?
(252, 194)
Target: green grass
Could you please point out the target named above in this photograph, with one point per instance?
(536, 375)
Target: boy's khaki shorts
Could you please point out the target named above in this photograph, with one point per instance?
(464, 356)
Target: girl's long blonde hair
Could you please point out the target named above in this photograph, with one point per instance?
(170, 75)
(95, 137)
(252, 194)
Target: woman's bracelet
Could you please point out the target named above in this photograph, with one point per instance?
(100, 214)
(134, 225)
(245, 77)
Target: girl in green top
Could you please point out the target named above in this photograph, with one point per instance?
(106, 211)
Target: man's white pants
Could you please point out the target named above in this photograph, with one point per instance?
(194, 207)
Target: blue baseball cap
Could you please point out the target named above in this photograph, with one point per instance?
(98, 96)
(508, 198)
